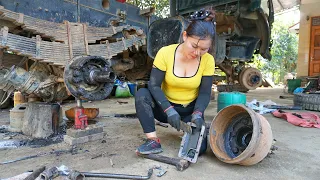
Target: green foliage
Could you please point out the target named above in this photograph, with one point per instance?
(162, 6)
(284, 52)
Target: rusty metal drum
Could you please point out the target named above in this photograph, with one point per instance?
(238, 135)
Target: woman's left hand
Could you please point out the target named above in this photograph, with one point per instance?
(196, 118)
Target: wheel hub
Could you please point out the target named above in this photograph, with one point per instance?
(238, 134)
(89, 78)
(250, 78)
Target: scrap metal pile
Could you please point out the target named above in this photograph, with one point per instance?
(53, 46)
(68, 40)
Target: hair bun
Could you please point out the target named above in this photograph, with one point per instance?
(203, 14)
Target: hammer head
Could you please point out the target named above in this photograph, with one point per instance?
(182, 165)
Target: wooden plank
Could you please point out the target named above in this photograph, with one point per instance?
(114, 30)
(4, 32)
(124, 43)
(38, 45)
(20, 20)
(69, 40)
(108, 50)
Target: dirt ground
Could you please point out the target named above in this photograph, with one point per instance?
(297, 156)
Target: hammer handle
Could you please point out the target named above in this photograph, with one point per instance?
(180, 164)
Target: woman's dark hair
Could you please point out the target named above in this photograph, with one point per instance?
(202, 24)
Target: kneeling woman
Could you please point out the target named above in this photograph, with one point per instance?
(180, 83)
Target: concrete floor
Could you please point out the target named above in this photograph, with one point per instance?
(297, 156)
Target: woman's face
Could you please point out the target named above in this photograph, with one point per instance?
(195, 48)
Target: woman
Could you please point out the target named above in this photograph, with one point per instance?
(180, 83)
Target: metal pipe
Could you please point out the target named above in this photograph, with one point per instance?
(76, 175)
(103, 76)
(35, 173)
(118, 176)
(49, 173)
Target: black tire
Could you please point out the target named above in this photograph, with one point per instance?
(6, 104)
(307, 101)
(230, 88)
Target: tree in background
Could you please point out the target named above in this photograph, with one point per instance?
(162, 6)
(284, 52)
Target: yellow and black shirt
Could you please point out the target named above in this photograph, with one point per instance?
(181, 90)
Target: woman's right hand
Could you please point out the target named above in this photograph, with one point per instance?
(173, 118)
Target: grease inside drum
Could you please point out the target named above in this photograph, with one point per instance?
(238, 134)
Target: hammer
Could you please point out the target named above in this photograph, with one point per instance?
(180, 164)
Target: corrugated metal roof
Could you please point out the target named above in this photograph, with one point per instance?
(281, 5)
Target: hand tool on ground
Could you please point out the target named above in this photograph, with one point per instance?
(117, 176)
(35, 173)
(133, 115)
(180, 164)
(160, 170)
(295, 114)
(57, 152)
(283, 107)
(286, 97)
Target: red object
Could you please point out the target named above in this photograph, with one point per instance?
(122, 1)
(305, 119)
(80, 120)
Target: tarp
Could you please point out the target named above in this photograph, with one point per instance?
(303, 119)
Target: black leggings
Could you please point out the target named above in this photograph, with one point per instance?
(148, 110)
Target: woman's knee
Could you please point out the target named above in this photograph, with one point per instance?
(143, 95)
(142, 92)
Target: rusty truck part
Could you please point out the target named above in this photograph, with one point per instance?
(5, 89)
(76, 175)
(55, 53)
(89, 77)
(50, 173)
(191, 144)
(72, 40)
(117, 176)
(35, 173)
(238, 135)
(250, 78)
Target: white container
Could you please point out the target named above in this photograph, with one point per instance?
(16, 117)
